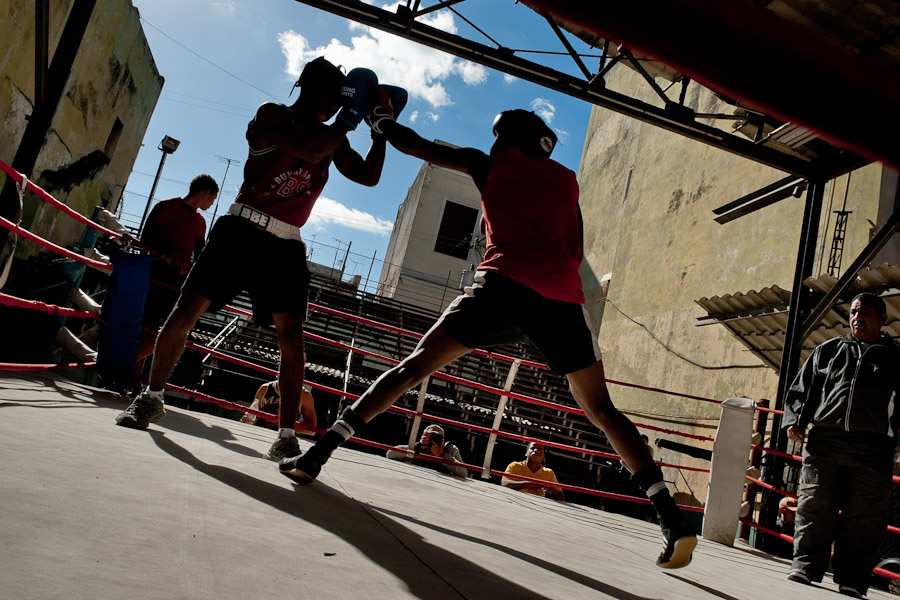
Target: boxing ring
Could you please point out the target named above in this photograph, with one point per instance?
(505, 394)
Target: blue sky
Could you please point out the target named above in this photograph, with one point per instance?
(222, 58)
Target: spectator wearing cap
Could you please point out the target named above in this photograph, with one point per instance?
(787, 513)
(432, 443)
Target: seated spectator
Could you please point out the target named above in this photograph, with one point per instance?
(432, 443)
(533, 466)
(787, 513)
(268, 400)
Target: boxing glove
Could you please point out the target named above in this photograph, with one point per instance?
(390, 102)
(359, 85)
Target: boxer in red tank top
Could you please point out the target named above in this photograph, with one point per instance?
(257, 246)
(527, 289)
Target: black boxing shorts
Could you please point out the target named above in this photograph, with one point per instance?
(497, 310)
(242, 256)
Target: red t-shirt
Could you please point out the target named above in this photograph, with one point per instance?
(533, 230)
(282, 185)
(175, 229)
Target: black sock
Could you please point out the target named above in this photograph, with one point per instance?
(651, 481)
(348, 425)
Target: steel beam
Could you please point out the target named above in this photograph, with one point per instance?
(797, 75)
(403, 24)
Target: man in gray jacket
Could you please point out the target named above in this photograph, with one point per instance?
(847, 390)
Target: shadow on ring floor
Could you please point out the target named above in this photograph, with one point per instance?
(191, 509)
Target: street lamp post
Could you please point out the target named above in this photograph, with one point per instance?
(168, 146)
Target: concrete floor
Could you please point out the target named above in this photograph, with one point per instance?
(191, 509)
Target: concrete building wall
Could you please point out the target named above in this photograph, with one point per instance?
(100, 122)
(647, 197)
(414, 271)
(400, 236)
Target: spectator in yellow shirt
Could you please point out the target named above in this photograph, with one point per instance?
(533, 466)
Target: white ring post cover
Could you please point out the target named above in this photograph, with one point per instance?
(727, 474)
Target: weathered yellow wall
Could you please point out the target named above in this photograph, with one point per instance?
(659, 241)
(113, 77)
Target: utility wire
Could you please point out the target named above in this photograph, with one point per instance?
(679, 355)
(230, 74)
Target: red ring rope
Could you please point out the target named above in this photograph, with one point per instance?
(747, 521)
(50, 245)
(772, 487)
(70, 312)
(438, 375)
(43, 367)
(895, 478)
(475, 468)
(776, 452)
(53, 309)
(46, 197)
(408, 412)
(18, 177)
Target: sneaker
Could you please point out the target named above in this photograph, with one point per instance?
(145, 409)
(680, 543)
(302, 469)
(849, 590)
(798, 577)
(283, 447)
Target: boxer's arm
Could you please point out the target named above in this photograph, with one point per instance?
(273, 125)
(362, 171)
(466, 160)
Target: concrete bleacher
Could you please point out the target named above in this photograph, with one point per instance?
(190, 509)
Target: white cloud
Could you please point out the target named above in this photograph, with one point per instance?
(327, 211)
(433, 116)
(561, 135)
(228, 7)
(544, 109)
(509, 78)
(413, 116)
(420, 70)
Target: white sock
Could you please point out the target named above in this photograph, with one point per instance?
(285, 432)
(158, 394)
(656, 488)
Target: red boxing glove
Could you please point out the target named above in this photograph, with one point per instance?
(390, 101)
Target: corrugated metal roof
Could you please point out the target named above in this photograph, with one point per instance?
(864, 27)
(759, 318)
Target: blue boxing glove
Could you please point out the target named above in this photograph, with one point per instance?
(389, 103)
(359, 85)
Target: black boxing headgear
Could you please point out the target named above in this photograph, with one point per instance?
(321, 75)
(524, 130)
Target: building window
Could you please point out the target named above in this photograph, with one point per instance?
(455, 233)
(113, 140)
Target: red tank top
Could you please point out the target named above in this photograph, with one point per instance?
(282, 185)
(531, 216)
(174, 229)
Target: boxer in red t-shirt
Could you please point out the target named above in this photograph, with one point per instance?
(176, 233)
(257, 246)
(527, 288)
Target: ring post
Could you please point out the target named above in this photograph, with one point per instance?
(498, 417)
(417, 421)
(728, 471)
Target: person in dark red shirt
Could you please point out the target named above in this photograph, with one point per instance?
(175, 234)
(257, 246)
(527, 288)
